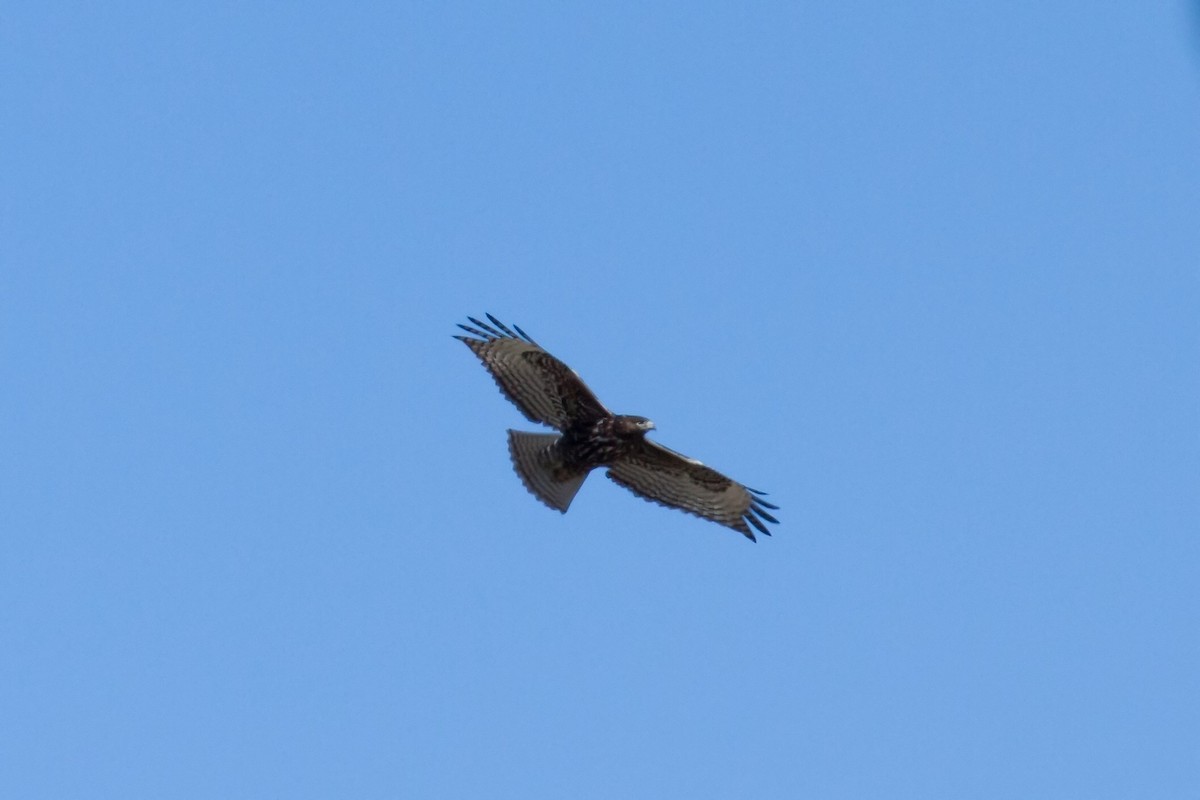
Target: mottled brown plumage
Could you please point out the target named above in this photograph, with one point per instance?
(554, 465)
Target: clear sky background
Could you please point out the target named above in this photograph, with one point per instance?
(927, 272)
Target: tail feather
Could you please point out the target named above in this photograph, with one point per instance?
(540, 469)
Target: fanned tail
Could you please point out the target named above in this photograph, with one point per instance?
(541, 469)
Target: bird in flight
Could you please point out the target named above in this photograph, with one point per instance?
(554, 465)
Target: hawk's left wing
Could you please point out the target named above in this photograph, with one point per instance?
(544, 388)
(661, 475)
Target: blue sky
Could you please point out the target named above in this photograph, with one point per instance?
(926, 272)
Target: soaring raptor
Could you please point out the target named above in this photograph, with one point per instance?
(553, 465)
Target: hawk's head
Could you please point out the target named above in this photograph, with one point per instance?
(629, 425)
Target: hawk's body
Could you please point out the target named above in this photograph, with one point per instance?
(553, 466)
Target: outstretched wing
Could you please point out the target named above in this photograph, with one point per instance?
(661, 475)
(544, 388)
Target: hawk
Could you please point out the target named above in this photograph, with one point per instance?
(554, 465)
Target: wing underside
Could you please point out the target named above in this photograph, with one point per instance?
(544, 389)
(661, 475)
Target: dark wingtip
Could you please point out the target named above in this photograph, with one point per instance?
(501, 326)
(766, 516)
(524, 335)
(754, 521)
(492, 332)
(475, 332)
(495, 329)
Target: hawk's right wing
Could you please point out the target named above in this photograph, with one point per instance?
(544, 388)
(661, 475)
